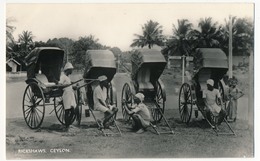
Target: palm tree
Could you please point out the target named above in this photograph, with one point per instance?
(26, 38)
(180, 41)
(208, 34)
(242, 35)
(10, 42)
(9, 30)
(152, 35)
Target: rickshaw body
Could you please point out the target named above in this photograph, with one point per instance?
(47, 61)
(44, 66)
(147, 67)
(98, 63)
(209, 63)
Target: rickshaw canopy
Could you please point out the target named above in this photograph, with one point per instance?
(210, 62)
(47, 59)
(99, 62)
(210, 58)
(148, 58)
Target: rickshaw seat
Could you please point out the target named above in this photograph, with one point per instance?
(143, 79)
(43, 79)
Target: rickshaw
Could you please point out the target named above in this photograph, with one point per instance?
(147, 67)
(209, 63)
(98, 63)
(43, 73)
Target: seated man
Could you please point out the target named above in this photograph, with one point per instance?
(140, 114)
(100, 101)
(209, 96)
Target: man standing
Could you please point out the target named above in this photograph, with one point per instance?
(68, 96)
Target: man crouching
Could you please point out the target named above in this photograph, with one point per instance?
(139, 113)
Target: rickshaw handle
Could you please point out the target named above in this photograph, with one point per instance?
(91, 80)
(72, 83)
(85, 84)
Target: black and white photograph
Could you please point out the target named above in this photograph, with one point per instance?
(129, 80)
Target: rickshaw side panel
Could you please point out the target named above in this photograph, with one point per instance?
(95, 72)
(99, 62)
(148, 59)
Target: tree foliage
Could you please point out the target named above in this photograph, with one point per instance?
(242, 36)
(208, 35)
(152, 35)
(80, 47)
(184, 40)
(9, 31)
(179, 42)
(26, 40)
(64, 43)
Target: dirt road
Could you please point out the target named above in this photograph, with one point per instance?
(193, 141)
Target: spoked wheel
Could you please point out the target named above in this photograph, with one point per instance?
(33, 105)
(78, 109)
(222, 94)
(59, 109)
(221, 91)
(185, 103)
(112, 96)
(157, 113)
(127, 100)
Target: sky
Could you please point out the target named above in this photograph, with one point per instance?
(113, 24)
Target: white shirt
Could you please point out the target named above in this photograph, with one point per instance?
(65, 80)
(143, 111)
(68, 96)
(101, 94)
(211, 96)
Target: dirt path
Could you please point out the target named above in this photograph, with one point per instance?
(86, 141)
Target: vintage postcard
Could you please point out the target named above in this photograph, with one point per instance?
(129, 80)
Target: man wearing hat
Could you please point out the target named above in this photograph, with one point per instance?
(100, 100)
(140, 114)
(210, 95)
(68, 96)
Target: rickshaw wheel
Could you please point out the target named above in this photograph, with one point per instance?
(33, 105)
(78, 109)
(185, 103)
(112, 97)
(160, 103)
(59, 109)
(222, 94)
(221, 91)
(127, 100)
